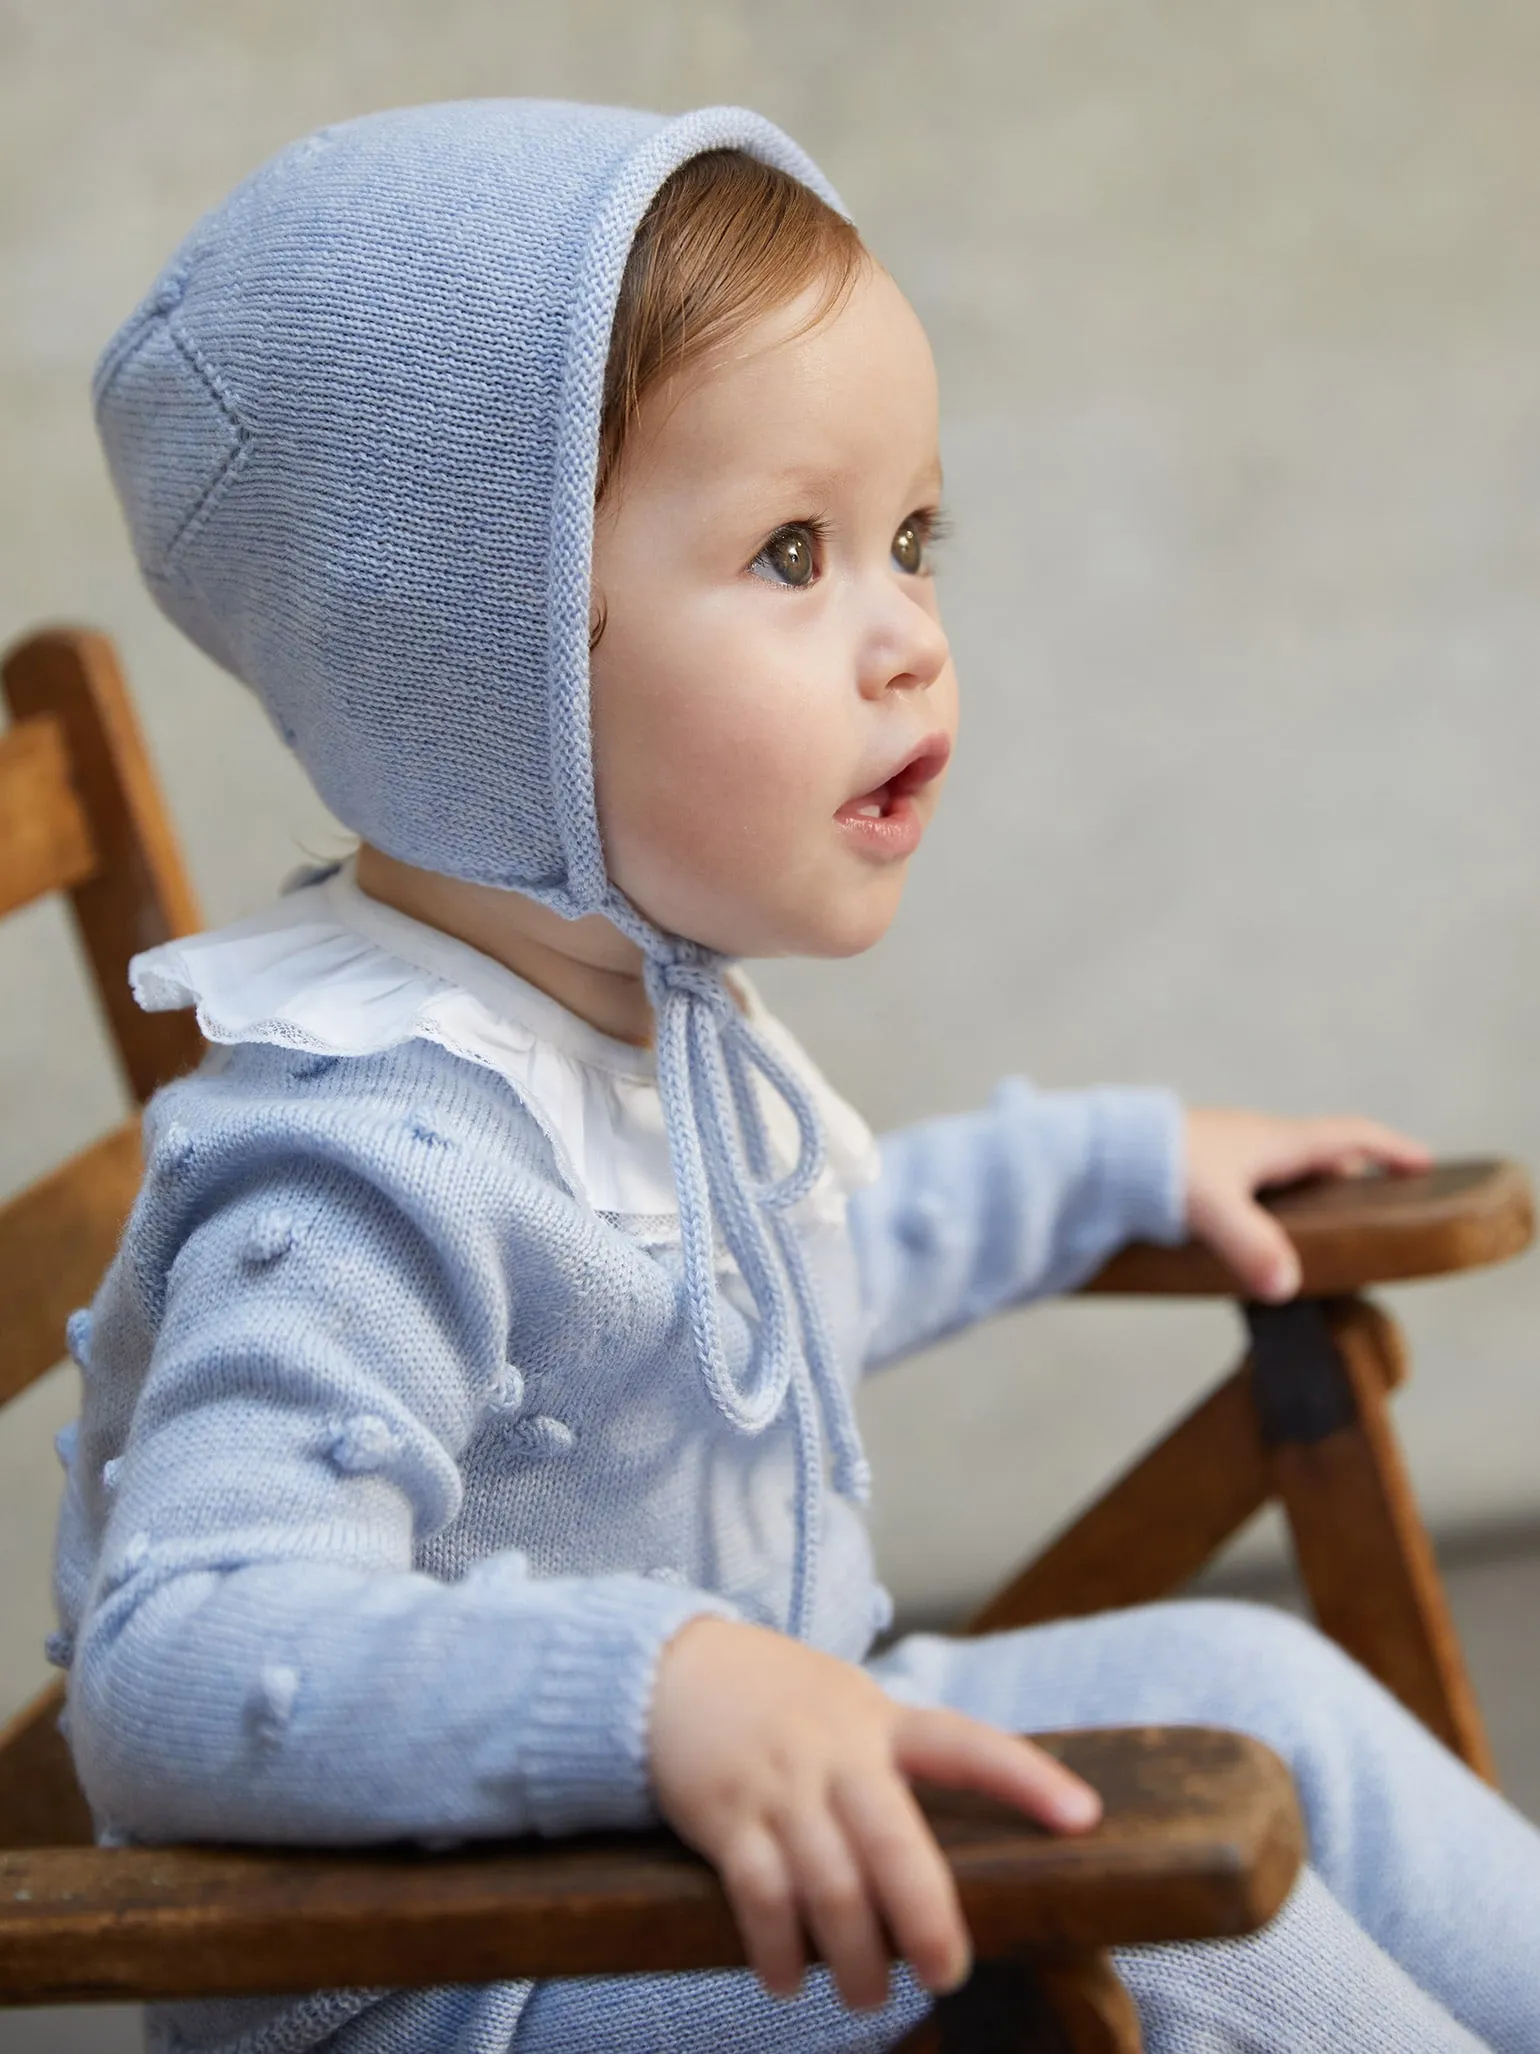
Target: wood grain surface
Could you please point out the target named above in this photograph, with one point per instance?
(45, 843)
(56, 1241)
(1364, 1554)
(138, 893)
(1202, 1838)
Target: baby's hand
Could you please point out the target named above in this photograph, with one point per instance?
(788, 1769)
(1232, 1155)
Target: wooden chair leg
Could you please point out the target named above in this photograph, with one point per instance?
(1320, 1369)
(1305, 1418)
(1094, 2011)
(1068, 2001)
(1157, 1525)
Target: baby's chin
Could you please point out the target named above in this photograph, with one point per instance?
(831, 909)
(853, 935)
(830, 928)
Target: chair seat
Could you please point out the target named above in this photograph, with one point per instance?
(1351, 1232)
(1202, 1838)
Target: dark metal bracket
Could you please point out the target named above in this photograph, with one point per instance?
(1301, 1389)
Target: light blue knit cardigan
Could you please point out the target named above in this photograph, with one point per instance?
(395, 1467)
(397, 1463)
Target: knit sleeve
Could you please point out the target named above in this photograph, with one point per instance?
(256, 1657)
(985, 1210)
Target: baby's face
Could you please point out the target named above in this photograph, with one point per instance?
(773, 696)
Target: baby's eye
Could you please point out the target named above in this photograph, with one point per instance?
(789, 557)
(909, 545)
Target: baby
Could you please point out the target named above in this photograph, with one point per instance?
(467, 1444)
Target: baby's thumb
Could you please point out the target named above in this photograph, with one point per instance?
(1251, 1243)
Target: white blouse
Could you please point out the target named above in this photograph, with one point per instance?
(332, 971)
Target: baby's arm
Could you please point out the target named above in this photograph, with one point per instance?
(258, 1659)
(1028, 1197)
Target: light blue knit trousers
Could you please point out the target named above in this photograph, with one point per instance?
(1415, 1931)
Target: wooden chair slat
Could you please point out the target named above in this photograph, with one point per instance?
(40, 1800)
(1202, 1838)
(1356, 1231)
(45, 841)
(138, 894)
(56, 1239)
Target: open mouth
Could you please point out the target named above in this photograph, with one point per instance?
(919, 767)
(884, 822)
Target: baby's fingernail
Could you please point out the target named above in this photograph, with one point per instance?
(957, 1973)
(1285, 1279)
(1079, 1809)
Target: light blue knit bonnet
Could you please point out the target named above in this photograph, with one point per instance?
(354, 430)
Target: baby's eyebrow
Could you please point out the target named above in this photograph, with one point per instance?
(821, 481)
(816, 480)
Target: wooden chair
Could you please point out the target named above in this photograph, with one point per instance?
(1202, 1836)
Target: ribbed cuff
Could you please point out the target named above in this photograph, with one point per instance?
(1143, 1162)
(582, 1744)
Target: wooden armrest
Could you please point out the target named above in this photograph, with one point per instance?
(1202, 1838)
(1354, 1231)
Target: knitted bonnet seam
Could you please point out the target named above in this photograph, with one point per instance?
(354, 431)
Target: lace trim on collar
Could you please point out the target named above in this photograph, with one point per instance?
(331, 971)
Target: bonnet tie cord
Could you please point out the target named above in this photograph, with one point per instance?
(852, 1473)
(707, 1054)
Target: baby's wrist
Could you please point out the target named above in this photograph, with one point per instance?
(695, 1635)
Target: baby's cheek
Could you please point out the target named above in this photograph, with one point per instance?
(733, 798)
(717, 786)
(734, 862)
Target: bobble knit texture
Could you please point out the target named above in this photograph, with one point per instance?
(414, 1468)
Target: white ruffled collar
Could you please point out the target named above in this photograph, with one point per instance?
(332, 971)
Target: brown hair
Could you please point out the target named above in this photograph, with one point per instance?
(725, 241)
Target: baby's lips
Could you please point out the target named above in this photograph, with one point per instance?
(927, 763)
(924, 762)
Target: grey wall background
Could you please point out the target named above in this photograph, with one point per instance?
(1237, 311)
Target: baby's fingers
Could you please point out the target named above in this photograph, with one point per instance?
(908, 1877)
(1253, 1247)
(836, 1906)
(758, 1886)
(965, 1754)
(1349, 1145)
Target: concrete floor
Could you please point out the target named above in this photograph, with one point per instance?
(1498, 1602)
(1496, 1596)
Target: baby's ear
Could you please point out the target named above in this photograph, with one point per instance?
(174, 440)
